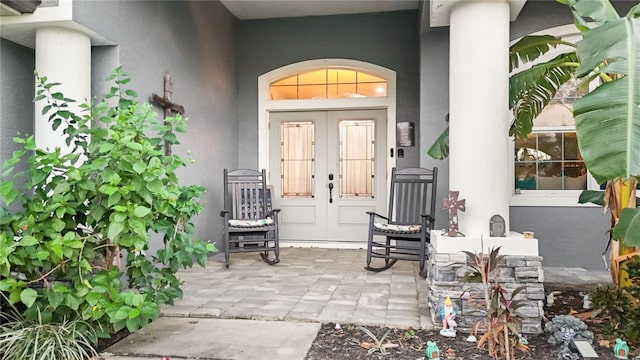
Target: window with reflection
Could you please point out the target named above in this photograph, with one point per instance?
(357, 161)
(549, 158)
(328, 83)
(297, 159)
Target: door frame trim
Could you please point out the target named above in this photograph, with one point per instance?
(265, 105)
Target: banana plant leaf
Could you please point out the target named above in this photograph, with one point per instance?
(595, 197)
(628, 227)
(440, 148)
(608, 118)
(591, 196)
(532, 89)
(531, 47)
(589, 12)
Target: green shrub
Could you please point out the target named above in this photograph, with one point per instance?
(621, 306)
(68, 217)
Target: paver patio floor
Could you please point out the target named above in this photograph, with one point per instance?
(309, 284)
(322, 285)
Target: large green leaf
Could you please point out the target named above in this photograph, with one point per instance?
(531, 90)
(531, 47)
(628, 228)
(589, 12)
(28, 296)
(591, 196)
(440, 148)
(608, 118)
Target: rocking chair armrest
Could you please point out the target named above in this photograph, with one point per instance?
(430, 218)
(373, 215)
(273, 213)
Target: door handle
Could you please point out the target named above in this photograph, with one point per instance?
(330, 191)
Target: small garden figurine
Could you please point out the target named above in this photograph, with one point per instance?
(620, 349)
(564, 352)
(586, 301)
(450, 354)
(448, 315)
(432, 352)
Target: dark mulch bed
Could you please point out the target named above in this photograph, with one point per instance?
(347, 342)
(104, 343)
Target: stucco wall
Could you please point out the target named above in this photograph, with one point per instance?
(195, 42)
(434, 106)
(16, 95)
(568, 236)
(385, 39)
(215, 60)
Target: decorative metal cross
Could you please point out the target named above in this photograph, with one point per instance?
(453, 205)
(170, 108)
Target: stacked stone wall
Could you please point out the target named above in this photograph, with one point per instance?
(445, 279)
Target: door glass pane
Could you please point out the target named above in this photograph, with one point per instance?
(364, 77)
(297, 159)
(291, 80)
(284, 92)
(328, 83)
(314, 77)
(341, 76)
(312, 92)
(346, 90)
(357, 145)
(372, 89)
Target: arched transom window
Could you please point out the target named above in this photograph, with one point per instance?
(328, 83)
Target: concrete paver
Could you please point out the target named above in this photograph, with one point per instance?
(577, 277)
(314, 285)
(184, 338)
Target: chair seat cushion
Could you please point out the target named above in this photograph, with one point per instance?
(252, 223)
(405, 229)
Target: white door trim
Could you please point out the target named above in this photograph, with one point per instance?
(265, 105)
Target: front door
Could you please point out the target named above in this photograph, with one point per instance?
(327, 168)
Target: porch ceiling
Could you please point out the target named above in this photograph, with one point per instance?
(14, 7)
(263, 9)
(437, 14)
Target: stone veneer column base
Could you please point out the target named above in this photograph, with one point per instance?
(447, 269)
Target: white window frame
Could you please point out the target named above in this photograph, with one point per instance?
(550, 198)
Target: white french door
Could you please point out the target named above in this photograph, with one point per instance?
(327, 168)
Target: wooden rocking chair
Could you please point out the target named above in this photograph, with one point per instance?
(250, 225)
(407, 226)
